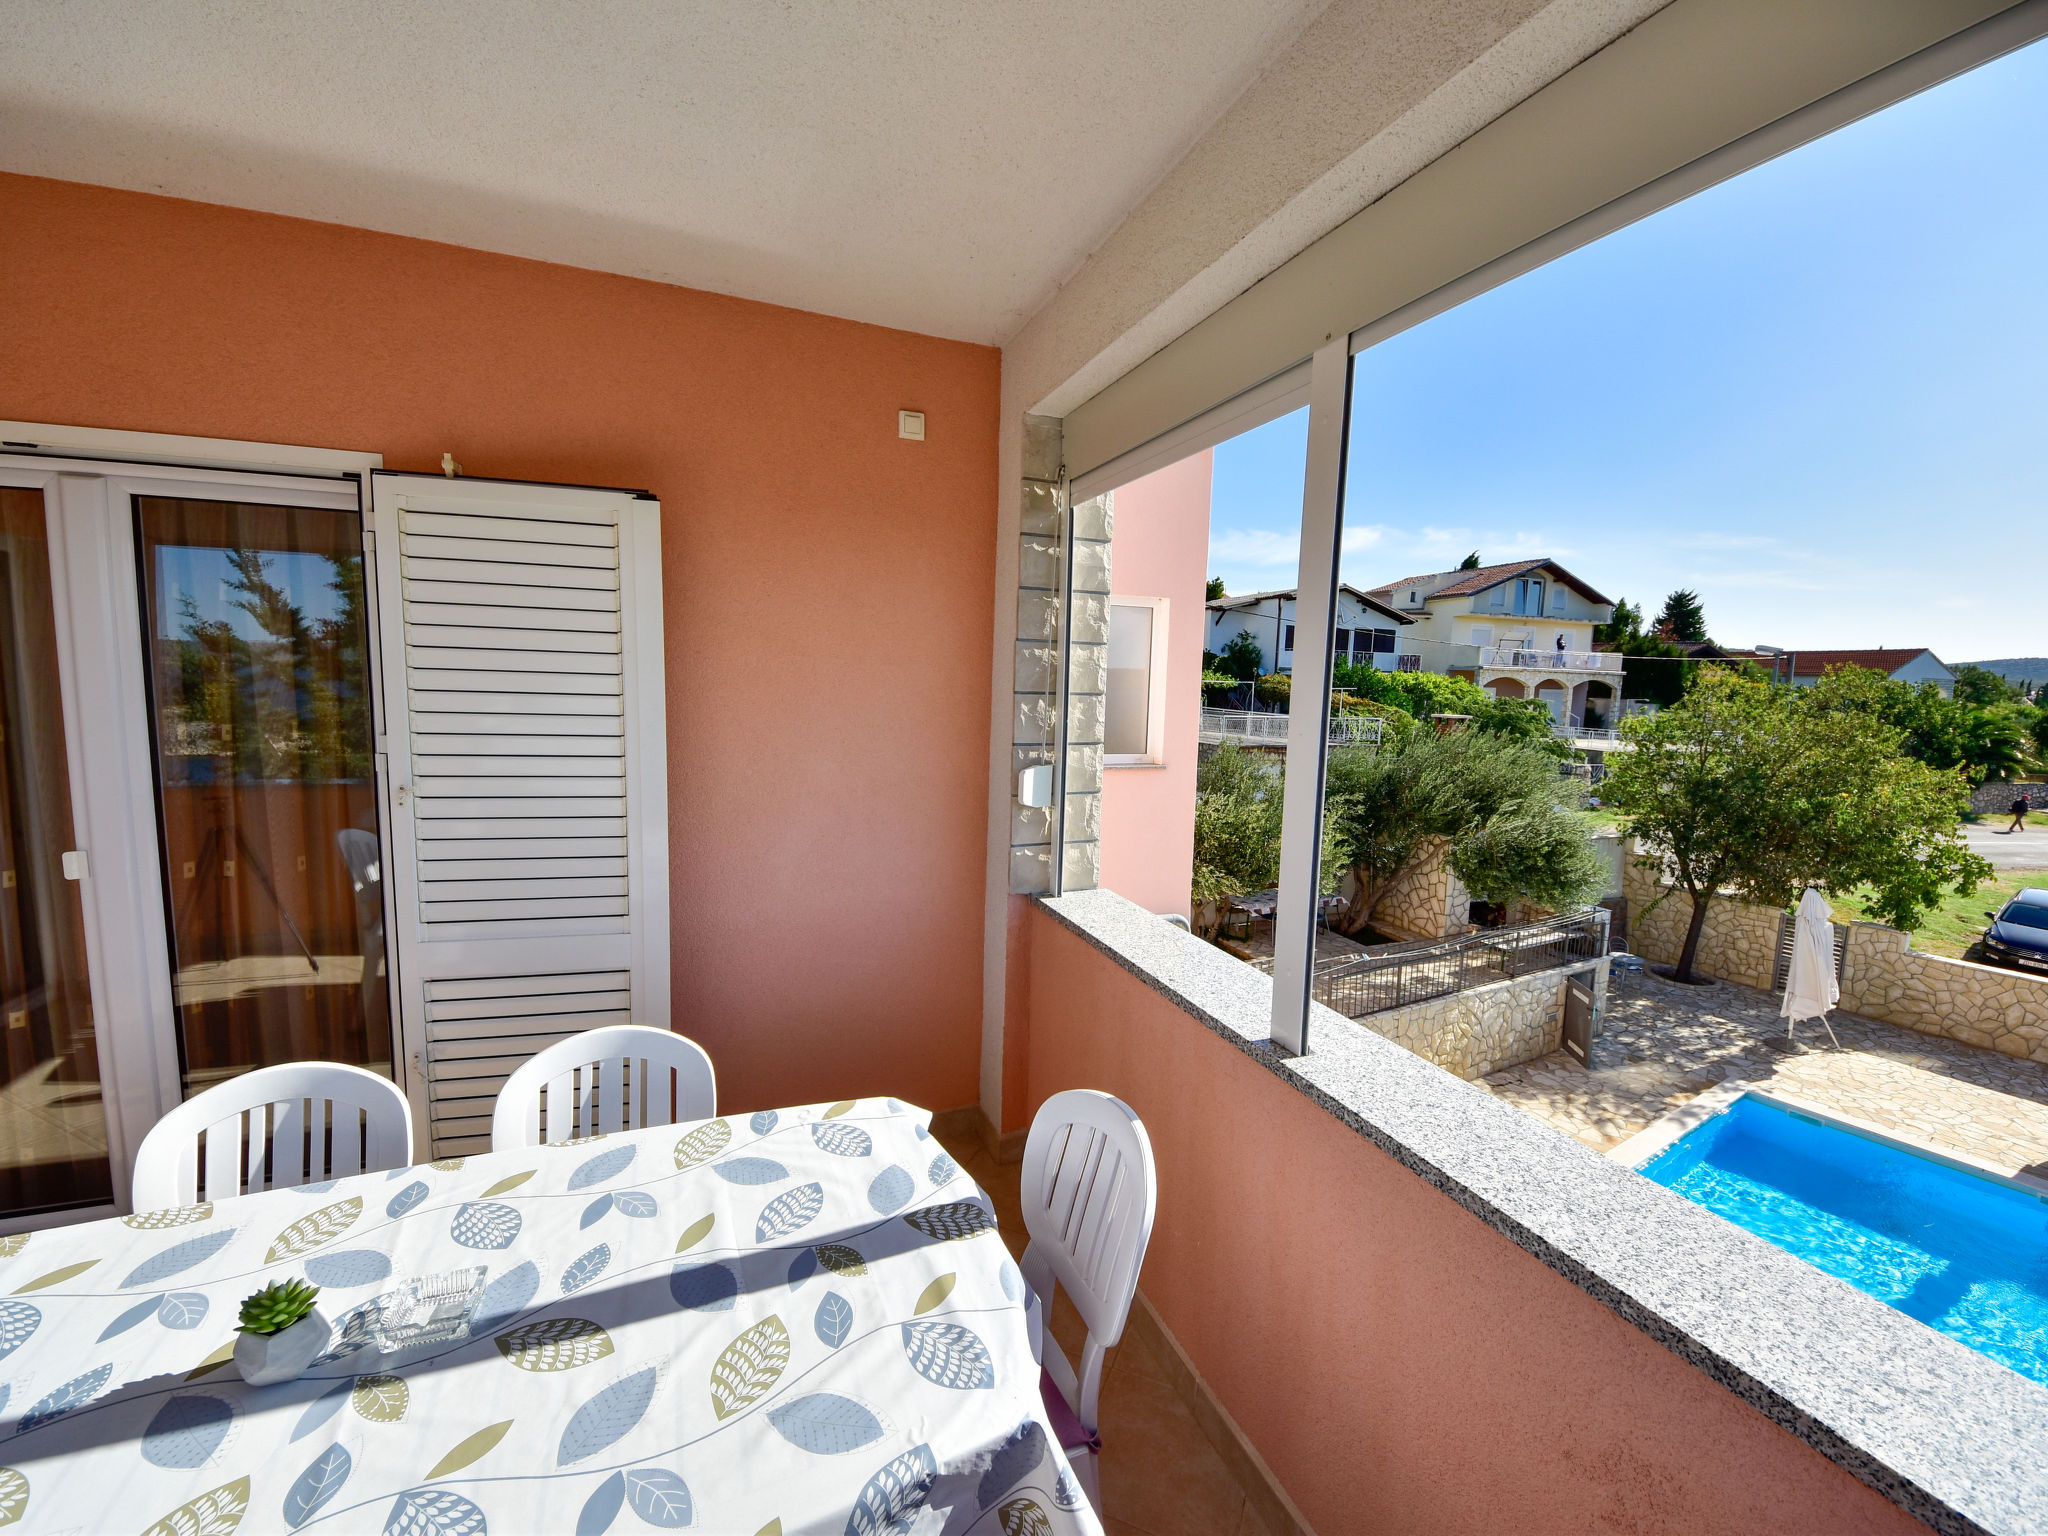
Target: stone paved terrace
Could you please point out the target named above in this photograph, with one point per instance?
(1663, 1044)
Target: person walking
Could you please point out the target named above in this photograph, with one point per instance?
(2020, 806)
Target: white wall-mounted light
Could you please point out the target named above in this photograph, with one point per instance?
(1034, 787)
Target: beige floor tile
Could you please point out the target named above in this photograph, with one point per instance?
(1159, 1471)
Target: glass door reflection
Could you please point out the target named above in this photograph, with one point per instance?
(257, 647)
(53, 1127)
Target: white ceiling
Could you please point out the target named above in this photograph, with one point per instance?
(942, 167)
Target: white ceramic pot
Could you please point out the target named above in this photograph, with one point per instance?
(264, 1358)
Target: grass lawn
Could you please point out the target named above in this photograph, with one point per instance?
(1957, 923)
(1600, 819)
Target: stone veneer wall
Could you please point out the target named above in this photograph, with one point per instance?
(1883, 977)
(1739, 942)
(1427, 902)
(1044, 619)
(1997, 796)
(1488, 1029)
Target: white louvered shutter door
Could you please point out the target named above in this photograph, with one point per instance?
(525, 764)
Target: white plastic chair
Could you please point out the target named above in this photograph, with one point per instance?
(614, 1079)
(273, 1128)
(1089, 1192)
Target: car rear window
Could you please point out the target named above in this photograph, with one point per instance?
(2025, 914)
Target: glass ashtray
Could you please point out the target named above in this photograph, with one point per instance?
(428, 1309)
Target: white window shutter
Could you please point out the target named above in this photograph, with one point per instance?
(524, 762)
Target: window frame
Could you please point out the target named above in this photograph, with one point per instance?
(1323, 382)
(1154, 755)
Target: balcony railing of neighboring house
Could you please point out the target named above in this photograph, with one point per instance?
(1256, 728)
(1396, 975)
(1506, 658)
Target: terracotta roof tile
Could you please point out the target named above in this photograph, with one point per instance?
(1817, 663)
(1491, 575)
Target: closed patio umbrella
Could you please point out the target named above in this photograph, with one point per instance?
(1810, 989)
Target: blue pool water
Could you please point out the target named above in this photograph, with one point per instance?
(1963, 1254)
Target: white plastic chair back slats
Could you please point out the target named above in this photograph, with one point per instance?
(273, 1128)
(615, 1079)
(1090, 1192)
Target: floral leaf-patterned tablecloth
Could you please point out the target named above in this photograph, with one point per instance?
(798, 1321)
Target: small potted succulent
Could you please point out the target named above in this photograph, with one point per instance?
(280, 1333)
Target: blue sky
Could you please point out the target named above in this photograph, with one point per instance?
(1818, 394)
(203, 573)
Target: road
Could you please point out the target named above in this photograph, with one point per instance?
(2009, 850)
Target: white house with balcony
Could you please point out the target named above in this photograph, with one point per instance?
(1523, 630)
(1367, 627)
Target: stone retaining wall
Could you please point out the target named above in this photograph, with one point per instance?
(1883, 977)
(1427, 902)
(1739, 942)
(1996, 798)
(1487, 1029)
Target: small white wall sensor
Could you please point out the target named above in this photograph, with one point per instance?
(910, 424)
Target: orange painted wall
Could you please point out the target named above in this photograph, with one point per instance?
(826, 584)
(1400, 1365)
(1160, 548)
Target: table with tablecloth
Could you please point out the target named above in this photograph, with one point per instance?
(801, 1320)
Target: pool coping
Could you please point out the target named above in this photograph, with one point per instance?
(1952, 1437)
(1660, 1135)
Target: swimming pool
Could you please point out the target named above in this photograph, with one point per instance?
(1961, 1252)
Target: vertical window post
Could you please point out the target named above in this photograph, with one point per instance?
(1308, 705)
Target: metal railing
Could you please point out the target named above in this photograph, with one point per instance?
(1396, 975)
(1548, 661)
(1257, 728)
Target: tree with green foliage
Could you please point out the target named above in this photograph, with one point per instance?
(1997, 741)
(1423, 694)
(1215, 588)
(1761, 791)
(1498, 804)
(1683, 619)
(1470, 562)
(1974, 685)
(1237, 829)
(1241, 658)
(1626, 624)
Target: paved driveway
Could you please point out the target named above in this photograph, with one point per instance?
(2009, 850)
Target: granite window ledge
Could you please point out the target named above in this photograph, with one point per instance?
(1949, 1435)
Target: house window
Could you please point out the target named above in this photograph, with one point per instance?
(1287, 644)
(1482, 634)
(1343, 644)
(1499, 599)
(1382, 640)
(1557, 600)
(1134, 697)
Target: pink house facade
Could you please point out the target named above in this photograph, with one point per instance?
(1159, 549)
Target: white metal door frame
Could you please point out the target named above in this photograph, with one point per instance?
(107, 735)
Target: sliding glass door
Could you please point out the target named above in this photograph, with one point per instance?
(256, 640)
(191, 848)
(53, 1127)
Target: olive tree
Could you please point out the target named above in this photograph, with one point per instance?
(1757, 791)
(1496, 801)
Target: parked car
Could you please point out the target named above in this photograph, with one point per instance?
(2018, 935)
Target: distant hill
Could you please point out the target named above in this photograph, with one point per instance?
(2017, 669)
